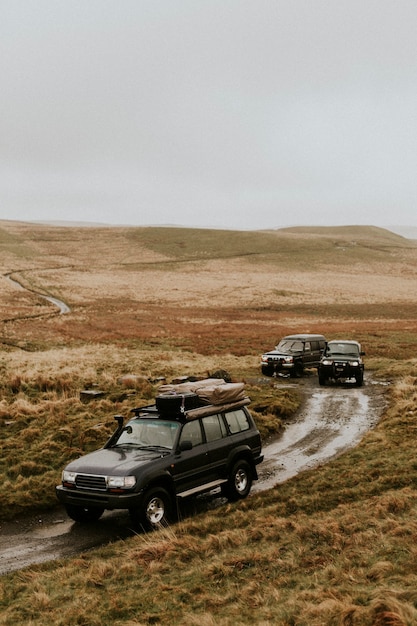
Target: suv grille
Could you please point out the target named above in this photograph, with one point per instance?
(90, 481)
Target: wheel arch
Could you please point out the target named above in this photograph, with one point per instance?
(165, 481)
(243, 453)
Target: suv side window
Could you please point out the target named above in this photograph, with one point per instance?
(192, 432)
(315, 346)
(214, 427)
(307, 346)
(237, 421)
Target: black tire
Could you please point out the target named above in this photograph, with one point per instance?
(267, 370)
(84, 514)
(239, 482)
(359, 379)
(322, 378)
(298, 370)
(156, 509)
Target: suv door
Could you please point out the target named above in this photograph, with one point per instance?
(308, 356)
(316, 351)
(219, 444)
(190, 467)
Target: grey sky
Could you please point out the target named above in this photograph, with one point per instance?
(223, 113)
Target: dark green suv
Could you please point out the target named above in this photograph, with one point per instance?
(165, 453)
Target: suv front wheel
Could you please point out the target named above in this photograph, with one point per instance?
(298, 370)
(322, 378)
(267, 370)
(240, 481)
(156, 510)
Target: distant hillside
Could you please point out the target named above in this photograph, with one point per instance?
(301, 247)
(359, 232)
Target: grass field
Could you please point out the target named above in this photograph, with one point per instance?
(333, 546)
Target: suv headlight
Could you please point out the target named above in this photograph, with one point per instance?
(69, 477)
(327, 362)
(288, 359)
(355, 363)
(121, 482)
(264, 358)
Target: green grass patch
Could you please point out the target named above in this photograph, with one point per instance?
(297, 248)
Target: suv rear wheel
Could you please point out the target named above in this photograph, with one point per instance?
(240, 481)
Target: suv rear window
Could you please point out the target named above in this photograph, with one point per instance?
(237, 421)
(214, 427)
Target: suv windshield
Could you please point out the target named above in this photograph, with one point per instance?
(342, 348)
(290, 346)
(149, 433)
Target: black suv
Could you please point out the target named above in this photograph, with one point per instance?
(342, 361)
(168, 451)
(293, 354)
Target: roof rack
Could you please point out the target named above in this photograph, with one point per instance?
(210, 409)
(140, 410)
(191, 414)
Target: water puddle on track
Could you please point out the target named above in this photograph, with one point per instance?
(332, 420)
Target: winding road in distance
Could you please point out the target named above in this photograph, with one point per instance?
(62, 306)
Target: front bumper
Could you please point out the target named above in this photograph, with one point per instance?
(98, 499)
(277, 365)
(340, 370)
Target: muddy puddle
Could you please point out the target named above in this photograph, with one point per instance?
(332, 419)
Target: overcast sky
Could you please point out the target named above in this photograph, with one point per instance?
(243, 114)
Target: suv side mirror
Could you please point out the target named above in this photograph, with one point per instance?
(185, 445)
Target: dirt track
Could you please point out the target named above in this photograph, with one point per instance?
(331, 420)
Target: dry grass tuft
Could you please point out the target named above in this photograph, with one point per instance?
(151, 552)
(379, 570)
(391, 611)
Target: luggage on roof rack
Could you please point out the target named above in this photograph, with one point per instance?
(209, 409)
(208, 390)
(176, 401)
(191, 385)
(176, 404)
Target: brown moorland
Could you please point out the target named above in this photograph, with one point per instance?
(336, 545)
(207, 291)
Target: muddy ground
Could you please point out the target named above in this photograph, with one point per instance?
(331, 420)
